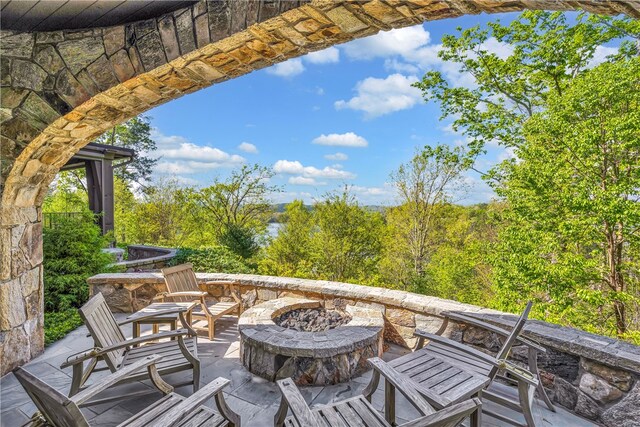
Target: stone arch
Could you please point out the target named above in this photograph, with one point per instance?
(61, 89)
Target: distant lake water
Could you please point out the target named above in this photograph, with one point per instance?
(273, 229)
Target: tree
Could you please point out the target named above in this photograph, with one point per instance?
(459, 266)
(346, 242)
(162, 217)
(124, 211)
(135, 134)
(423, 185)
(238, 209)
(71, 254)
(289, 253)
(573, 230)
(543, 54)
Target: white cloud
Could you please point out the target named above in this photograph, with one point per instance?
(302, 180)
(507, 154)
(600, 55)
(377, 97)
(410, 51)
(295, 66)
(326, 56)
(296, 168)
(166, 140)
(400, 67)
(400, 41)
(248, 148)
(178, 155)
(501, 49)
(289, 68)
(190, 151)
(374, 195)
(338, 157)
(348, 139)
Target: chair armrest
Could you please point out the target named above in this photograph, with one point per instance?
(451, 415)
(160, 296)
(291, 398)
(176, 310)
(80, 357)
(114, 378)
(403, 384)
(140, 340)
(517, 372)
(190, 404)
(459, 317)
(187, 294)
(458, 346)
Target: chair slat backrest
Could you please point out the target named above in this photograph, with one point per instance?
(55, 407)
(181, 278)
(104, 328)
(517, 328)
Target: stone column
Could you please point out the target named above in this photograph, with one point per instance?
(21, 287)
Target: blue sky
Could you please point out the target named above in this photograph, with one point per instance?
(345, 115)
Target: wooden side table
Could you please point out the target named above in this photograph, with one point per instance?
(183, 316)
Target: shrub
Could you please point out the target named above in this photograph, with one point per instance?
(72, 253)
(214, 259)
(59, 324)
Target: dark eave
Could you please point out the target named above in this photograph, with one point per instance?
(96, 151)
(53, 15)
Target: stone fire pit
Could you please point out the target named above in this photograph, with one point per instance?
(320, 358)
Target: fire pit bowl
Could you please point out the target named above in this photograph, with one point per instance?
(334, 350)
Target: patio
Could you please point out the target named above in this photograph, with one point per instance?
(254, 398)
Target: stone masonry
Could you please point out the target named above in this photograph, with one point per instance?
(62, 89)
(309, 358)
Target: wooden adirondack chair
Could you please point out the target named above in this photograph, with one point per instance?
(57, 410)
(357, 411)
(182, 285)
(417, 364)
(111, 346)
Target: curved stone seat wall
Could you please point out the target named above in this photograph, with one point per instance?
(592, 375)
(141, 257)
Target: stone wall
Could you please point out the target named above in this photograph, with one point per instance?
(62, 89)
(144, 258)
(21, 289)
(594, 376)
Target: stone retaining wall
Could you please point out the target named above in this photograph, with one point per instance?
(592, 375)
(141, 258)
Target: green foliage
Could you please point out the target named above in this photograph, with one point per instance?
(72, 253)
(134, 134)
(213, 259)
(346, 240)
(59, 324)
(124, 214)
(338, 240)
(65, 196)
(289, 253)
(424, 185)
(237, 208)
(572, 234)
(459, 267)
(546, 54)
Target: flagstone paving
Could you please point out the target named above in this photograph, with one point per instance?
(254, 398)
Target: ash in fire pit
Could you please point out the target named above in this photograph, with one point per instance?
(312, 319)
